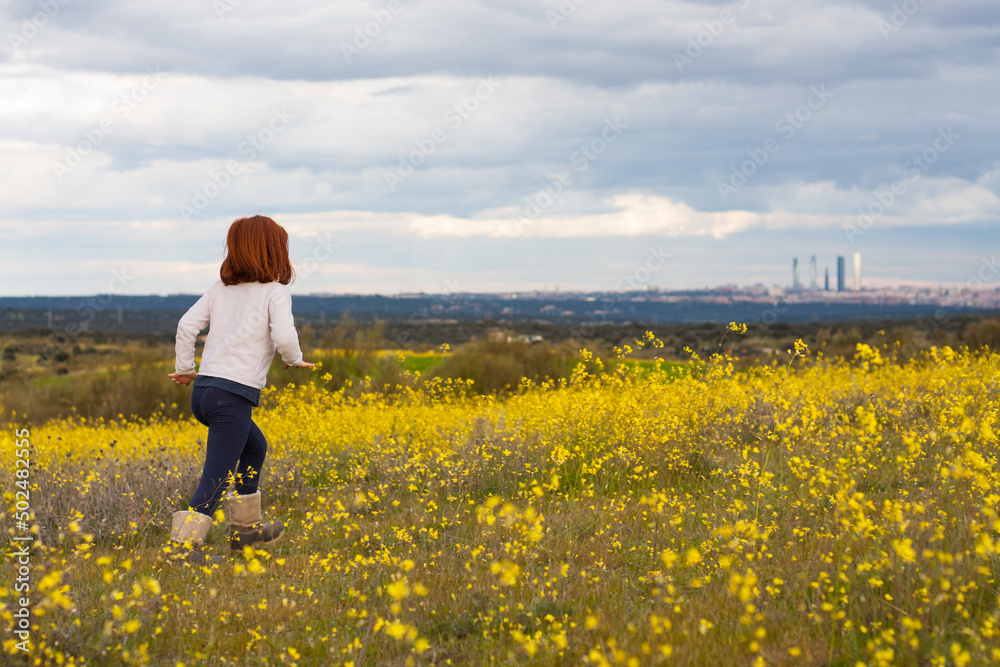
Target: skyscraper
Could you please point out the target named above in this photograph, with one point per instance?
(813, 285)
(857, 271)
(796, 285)
(826, 279)
(841, 270)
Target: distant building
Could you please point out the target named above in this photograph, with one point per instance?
(796, 285)
(840, 274)
(813, 285)
(826, 279)
(857, 271)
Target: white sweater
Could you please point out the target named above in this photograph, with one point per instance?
(248, 322)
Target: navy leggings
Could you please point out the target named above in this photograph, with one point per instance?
(235, 446)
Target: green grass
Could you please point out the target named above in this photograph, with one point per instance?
(420, 363)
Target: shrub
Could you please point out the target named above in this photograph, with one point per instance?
(983, 334)
(499, 366)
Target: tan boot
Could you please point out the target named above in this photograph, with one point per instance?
(188, 531)
(249, 526)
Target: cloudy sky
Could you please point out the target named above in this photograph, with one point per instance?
(491, 145)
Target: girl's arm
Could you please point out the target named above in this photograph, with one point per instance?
(193, 321)
(283, 333)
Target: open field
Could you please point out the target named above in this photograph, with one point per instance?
(48, 374)
(126, 376)
(806, 512)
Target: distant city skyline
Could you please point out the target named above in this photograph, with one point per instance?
(814, 273)
(754, 304)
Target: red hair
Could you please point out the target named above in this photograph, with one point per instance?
(256, 251)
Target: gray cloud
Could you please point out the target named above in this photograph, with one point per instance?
(690, 123)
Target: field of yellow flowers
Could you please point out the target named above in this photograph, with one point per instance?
(807, 512)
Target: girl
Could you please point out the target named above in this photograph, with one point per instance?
(250, 311)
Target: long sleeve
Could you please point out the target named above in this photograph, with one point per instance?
(283, 334)
(193, 321)
(249, 322)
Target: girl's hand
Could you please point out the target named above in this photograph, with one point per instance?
(182, 379)
(304, 364)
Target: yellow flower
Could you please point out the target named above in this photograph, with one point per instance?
(396, 630)
(398, 589)
(904, 549)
